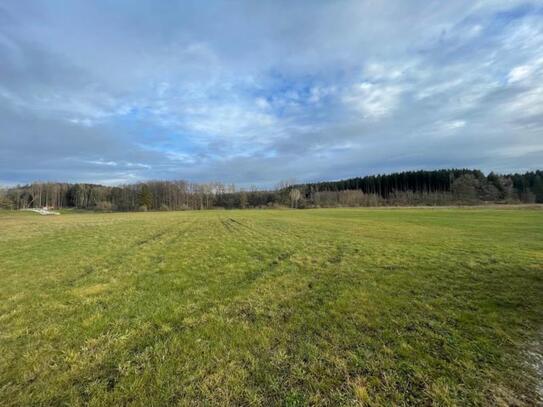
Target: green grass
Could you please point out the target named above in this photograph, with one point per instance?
(316, 307)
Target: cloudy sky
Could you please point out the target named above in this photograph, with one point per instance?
(253, 92)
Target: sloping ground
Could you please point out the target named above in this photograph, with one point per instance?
(320, 307)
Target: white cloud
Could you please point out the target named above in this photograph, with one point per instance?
(526, 104)
(438, 89)
(317, 93)
(101, 162)
(378, 71)
(374, 101)
(519, 73)
(82, 122)
(454, 125)
(262, 103)
(519, 150)
(182, 157)
(165, 90)
(226, 121)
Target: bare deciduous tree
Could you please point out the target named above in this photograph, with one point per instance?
(294, 196)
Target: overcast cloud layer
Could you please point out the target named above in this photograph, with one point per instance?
(254, 92)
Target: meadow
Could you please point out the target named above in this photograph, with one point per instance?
(271, 307)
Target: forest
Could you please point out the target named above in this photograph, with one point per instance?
(436, 187)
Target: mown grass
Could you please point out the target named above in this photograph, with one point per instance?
(317, 307)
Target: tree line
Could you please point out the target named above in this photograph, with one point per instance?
(438, 187)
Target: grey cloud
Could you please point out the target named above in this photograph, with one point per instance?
(254, 92)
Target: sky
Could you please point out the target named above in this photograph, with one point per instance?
(254, 92)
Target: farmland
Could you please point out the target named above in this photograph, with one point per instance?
(271, 307)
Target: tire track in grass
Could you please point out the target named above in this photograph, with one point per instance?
(203, 319)
(227, 225)
(158, 337)
(112, 263)
(255, 243)
(254, 246)
(134, 249)
(239, 284)
(270, 235)
(125, 248)
(272, 297)
(236, 292)
(275, 300)
(101, 370)
(309, 293)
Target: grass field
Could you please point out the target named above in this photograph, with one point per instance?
(315, 307)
